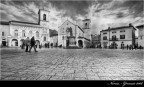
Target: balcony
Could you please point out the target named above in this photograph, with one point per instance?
(113, 39)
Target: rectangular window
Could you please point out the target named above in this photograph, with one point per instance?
(44, 38)
(114, 32)
(104, 33)
(23, 35)
(105, 38)
(122, 31)
(122, 36)
(114, 37)
(2, 33)
(141, 37)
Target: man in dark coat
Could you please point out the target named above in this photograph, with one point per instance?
(33, 42)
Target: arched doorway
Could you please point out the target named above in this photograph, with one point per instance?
(3, 43)
(37, 43)
(14, 42)
(67, 43)
(80, 43)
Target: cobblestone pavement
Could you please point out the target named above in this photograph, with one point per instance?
(72, 64)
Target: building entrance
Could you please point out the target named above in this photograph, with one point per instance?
(80, 43)
(3, 43)
(14, 42)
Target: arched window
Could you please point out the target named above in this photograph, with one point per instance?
(30, 33)
(23, 33)
(44, 17)
(44, 38)
(16, 33)
(37, 34)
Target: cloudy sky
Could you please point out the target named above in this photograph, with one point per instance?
(103, 13)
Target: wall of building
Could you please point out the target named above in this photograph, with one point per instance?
(87, 34)
(63, 28)
(54, 40)
(141, 37)
(124, 42)
(127, 33)
(87, 44)
(10, 32)
(62, 32)
(6, 30)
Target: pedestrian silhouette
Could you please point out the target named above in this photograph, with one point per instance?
(33, 42)
(27, 43)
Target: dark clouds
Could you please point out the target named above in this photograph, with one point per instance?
(120, 15)
(72, 8)
(101, 12)
(134, 6)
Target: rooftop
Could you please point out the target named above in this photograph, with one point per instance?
(117, 28)
(53, 32)
(140, 26)
(4, 23)
(86, 20)
(23, 22)
(73, 24)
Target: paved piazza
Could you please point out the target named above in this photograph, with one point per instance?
(72, 64)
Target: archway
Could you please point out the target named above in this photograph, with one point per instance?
(3, 43)
(80, 43)
(14, 42)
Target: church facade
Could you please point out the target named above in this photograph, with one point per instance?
(14, 32)
(72, 35)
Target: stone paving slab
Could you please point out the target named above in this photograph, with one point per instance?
(72, 64)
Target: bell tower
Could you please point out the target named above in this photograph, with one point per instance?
(86, 28)
(43, 18)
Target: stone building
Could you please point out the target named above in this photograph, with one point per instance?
(53, 38)
(140, 35)
(95, 41)
(13, 33)
(116, 37)
(72, 35)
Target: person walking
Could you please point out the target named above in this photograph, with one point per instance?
(127, 47)
(27, 43)
(33, 42)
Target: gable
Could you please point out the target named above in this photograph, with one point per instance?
(67, 27)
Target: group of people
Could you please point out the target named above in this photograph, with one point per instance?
(131, 47)
(30, 43)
